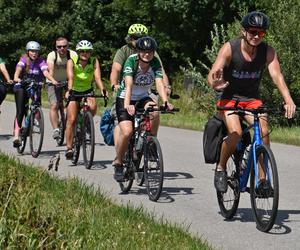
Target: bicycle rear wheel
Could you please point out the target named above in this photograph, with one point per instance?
(126, 185)
(61, 127)
(153, 168)
(36, 134)
(88, 140)
(76, 143)
(229, 201)
(264, 201)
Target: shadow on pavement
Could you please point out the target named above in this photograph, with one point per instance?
(280, 226)
(50, 153)
(98, 165)
(177, 175)
(5, 137)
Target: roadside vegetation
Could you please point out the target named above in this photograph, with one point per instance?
(39, 211)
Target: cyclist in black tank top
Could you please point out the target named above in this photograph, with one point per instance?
(237, 73)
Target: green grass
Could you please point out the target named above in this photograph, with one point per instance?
(42, 212)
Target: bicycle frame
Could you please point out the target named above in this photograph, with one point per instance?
(256, 141)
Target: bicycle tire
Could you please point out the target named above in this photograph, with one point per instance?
(76, 143)
(153, 168)
(229, 201)
(88, 139)
(36, 130)
(265, 216)
(126, 185)
(61, 127)
(24, 134)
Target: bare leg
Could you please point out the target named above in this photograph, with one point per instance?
(121, 141)
(234, 131)
(54, 115)
(71, 118)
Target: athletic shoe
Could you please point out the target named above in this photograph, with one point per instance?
(55, 133)
(16, 142)
(119, 172)
(69, 154)
(264, 190)
(220, 181)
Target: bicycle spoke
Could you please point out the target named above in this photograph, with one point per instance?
(88, 142)
(36, 131)
(228, 202)
(153, 168)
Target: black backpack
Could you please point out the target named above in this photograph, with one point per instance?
(213, 135)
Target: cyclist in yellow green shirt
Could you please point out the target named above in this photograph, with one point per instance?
(82, 70)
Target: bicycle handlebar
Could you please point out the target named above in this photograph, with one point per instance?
(5, 84)
(61, 84)
(256, 111)
(84, 96)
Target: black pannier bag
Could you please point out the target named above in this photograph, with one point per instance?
(214, 132)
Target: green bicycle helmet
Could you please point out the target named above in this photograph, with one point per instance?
(137, 29)
(84, 45)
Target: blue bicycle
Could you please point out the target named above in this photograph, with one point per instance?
(255, 159)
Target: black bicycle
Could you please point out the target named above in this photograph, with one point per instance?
(33, 123)
(144, 160)
(84, 132)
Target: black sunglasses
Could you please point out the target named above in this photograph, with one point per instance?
(84, 51)
(61, 46)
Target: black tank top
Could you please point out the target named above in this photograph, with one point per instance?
(244, 77)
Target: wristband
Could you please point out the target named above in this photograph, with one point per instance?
(113, 87)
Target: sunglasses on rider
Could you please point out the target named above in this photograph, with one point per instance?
(259, 33)
(84, 51)
(61, 46)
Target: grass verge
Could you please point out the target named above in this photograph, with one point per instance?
(41, 212)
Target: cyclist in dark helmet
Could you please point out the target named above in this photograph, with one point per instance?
(236, 74)
(140, 72)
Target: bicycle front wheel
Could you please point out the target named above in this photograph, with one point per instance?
(36, 134)
(153, 168)
(88, 140)
(76, 143)
(264, 189)
(229, 201)
(61, 127)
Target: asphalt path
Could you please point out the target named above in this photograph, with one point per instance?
(188, 198)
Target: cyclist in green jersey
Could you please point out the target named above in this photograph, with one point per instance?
(140, 71)
(82, 70)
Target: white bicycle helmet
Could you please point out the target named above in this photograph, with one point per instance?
(32, 45)
(84, 45)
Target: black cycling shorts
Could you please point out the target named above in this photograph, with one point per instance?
(78, 99)
(122, 114)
